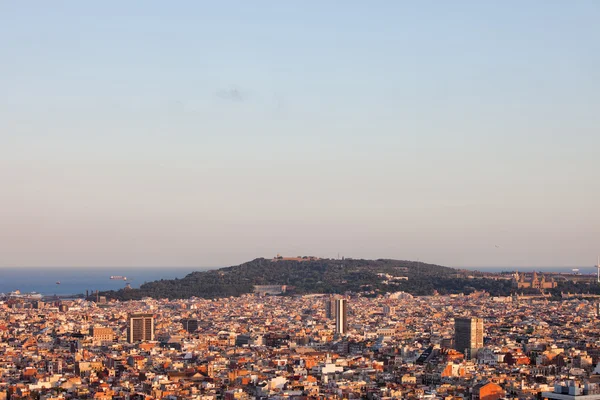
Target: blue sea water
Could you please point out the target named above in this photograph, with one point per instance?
(581, 270)
(77, 280)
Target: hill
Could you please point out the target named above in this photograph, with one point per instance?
(317, 276)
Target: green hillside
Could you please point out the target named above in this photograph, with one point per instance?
(317, 276)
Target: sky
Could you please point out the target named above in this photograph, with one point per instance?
(197, 133)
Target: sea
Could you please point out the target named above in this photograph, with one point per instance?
(588, 270)
(64, 281)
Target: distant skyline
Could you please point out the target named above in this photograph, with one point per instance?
(210, 133)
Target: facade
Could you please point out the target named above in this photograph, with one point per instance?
(279, 257)
(488, 391)
(468, 335)
(190, 325)
(140, 328)
(574, 391)
(534, 282)
(341, 316)
(330, 307)
(287, 343)
(102, 334)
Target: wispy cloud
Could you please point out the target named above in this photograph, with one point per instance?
(233, 94)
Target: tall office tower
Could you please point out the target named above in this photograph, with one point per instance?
(330, 307)
(190, 325)
(468, 335)
(341, 316)
(388, 310)
(140, 328)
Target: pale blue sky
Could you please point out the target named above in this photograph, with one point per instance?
(208, 133)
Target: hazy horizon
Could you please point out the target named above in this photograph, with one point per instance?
(144, 133)
(115, 268)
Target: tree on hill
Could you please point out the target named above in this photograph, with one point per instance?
(315, 276)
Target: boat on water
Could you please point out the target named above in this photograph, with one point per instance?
(118, 277)
(58, 282)
(18, 295)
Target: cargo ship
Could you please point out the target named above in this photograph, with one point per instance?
(18, 295)
(118, 277)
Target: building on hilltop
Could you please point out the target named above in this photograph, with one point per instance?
(299, 258)
(520, 281)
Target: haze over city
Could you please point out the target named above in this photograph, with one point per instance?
(207, 134)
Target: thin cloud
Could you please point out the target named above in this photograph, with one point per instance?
(232, 94)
